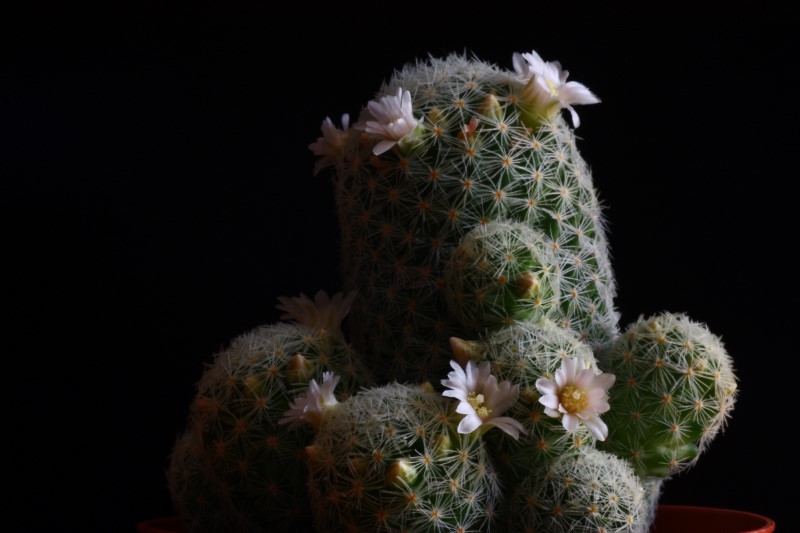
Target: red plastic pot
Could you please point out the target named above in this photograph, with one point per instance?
(669, 519)
(687, 519)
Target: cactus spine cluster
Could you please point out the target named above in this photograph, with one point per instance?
(472, 235)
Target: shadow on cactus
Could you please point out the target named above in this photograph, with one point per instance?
(473, 237)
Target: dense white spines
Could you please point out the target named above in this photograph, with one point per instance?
(585, 492)
(473, 162)
(675, 389)
(389, 459)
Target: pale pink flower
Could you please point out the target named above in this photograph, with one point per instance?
(392, 119)
(331, 145)
(310, 406)
(481, 398)
(548, 90)
(577, 395)
(323, 313)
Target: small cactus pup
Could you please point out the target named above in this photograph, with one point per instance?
(501, 273)
(562, 394)
(390, 459)
(674, 392)
(449, 145)
(588, 491)
(237, 468)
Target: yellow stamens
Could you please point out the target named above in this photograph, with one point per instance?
(477, 403)
(573, 399)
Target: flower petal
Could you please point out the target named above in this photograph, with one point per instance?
(546, 386)
(599, 406)
(552, 412)
(570, 422)
(576, 121)
(465, 408)
(520, 65)
(604, 381)
(384, 146)
(576, 93)
(507, 424)
(550, 401)
(469, 424)
(598, 428)
(583, 378)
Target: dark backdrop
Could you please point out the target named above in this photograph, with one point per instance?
(160, 197)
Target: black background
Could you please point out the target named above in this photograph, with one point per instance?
(158, 196)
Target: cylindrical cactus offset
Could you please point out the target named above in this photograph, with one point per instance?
(447, 146)
(674, 391)
(584, 492)
(390, 459)
(237, 468)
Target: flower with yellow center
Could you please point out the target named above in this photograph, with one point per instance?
(481, 398)
(577, 395)
(547, 90)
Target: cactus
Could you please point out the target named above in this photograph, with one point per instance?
(674, 391)
(390, 459)
(469, 147)
(585, 492)
(471, 231)
(237, 468)
(501, 274)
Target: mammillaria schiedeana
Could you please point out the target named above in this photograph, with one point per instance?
(474, 252)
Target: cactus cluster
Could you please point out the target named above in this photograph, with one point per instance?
(472, 240)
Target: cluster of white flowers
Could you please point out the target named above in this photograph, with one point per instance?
(576, 395)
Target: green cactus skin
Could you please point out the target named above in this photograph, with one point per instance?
(501, 273)
(402, 213)
(585, 492)
(521, 354)
(236, 468)
(674, 391)
(390, 459)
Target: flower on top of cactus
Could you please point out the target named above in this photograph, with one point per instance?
(309, 406)
(548, 90)
(393, 119)
(331, 144)
(577, 395)
(323, 313)
(482, 398)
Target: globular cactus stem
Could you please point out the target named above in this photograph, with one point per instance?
(238, 468)
(390, 459)
(674, 392)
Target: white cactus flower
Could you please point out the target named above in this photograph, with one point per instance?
(577, 395)
(323, 313)
(310, 406)
(482, 399)
(331, 145)
(548, 90)
(393, 119)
